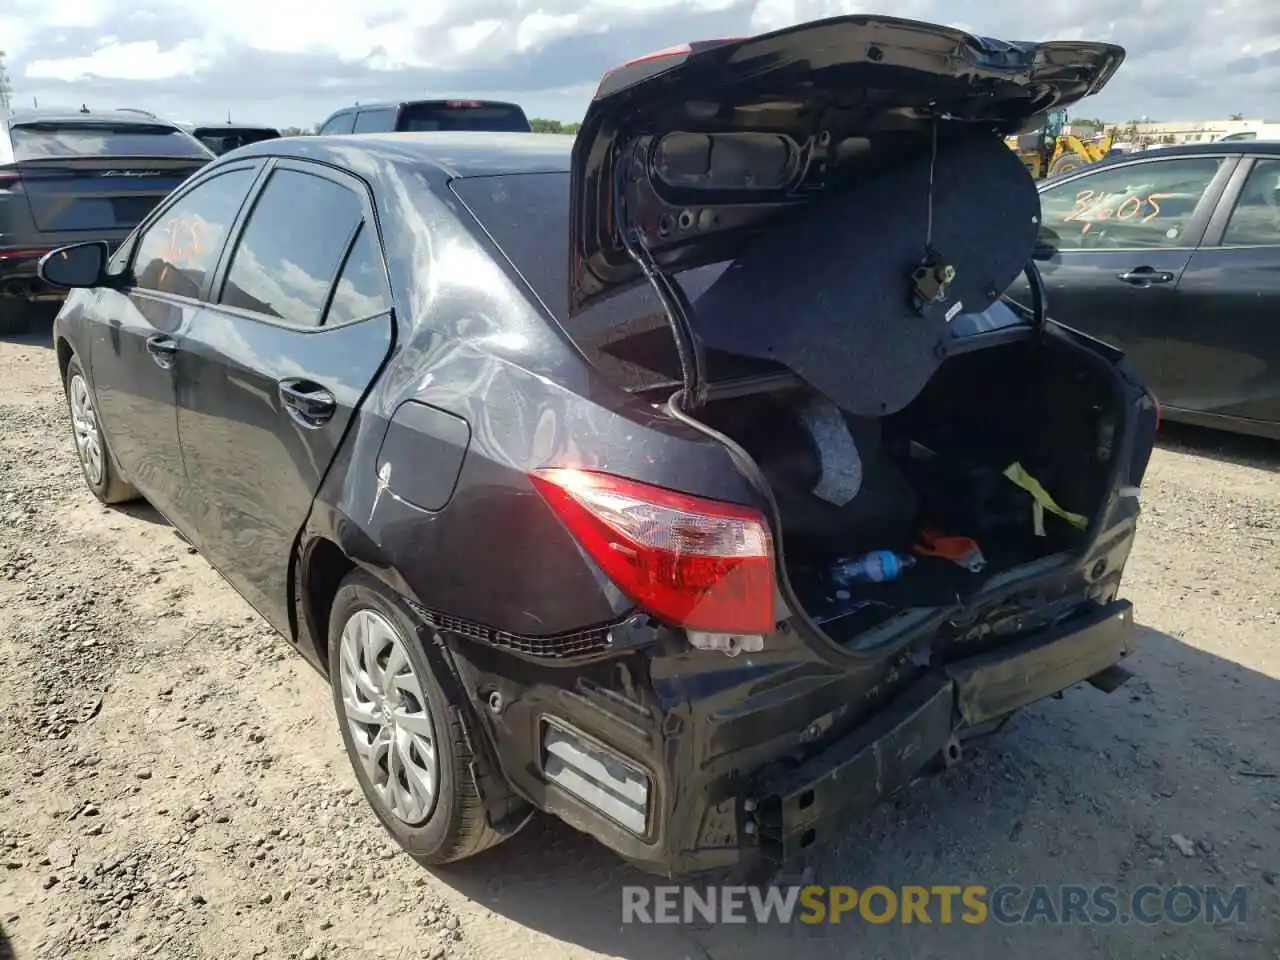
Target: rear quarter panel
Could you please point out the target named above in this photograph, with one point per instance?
(474, 347)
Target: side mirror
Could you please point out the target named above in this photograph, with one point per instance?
(78, 265)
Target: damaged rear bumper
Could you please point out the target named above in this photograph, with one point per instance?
(695, 761)
(922, 725)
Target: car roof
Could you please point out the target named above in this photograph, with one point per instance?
(1209, 148)
(453, 154)
(67, 115)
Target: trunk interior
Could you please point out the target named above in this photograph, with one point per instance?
(848, 485)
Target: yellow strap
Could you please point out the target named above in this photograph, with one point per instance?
(1018, 474)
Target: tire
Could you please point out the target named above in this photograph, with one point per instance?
(451, 825)
(1065, 165)
(100, 472)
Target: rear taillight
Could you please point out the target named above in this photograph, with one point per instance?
(699, 564)
(677, 54)
(9, 178)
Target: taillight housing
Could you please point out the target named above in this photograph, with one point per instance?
(9, 178)
(691, 562)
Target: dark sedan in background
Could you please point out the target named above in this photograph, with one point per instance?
(70, 176)
(1173, 255)
(227, 136)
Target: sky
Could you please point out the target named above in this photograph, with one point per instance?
(293, 62)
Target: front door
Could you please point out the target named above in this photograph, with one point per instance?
(272, 371)
(1224, 347)
(1114, 243)
(140, 329)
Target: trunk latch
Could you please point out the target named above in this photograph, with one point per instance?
(931, 280)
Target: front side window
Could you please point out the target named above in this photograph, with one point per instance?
(292, 246)
(177, 252)
(1255, 221)
(1137, 205)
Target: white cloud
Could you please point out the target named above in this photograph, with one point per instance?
(1188, 57)
(139, 60)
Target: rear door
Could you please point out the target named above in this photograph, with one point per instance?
(1114, 243)
(1223, 353)
(272, 371)
(98, 177)
(135, 333)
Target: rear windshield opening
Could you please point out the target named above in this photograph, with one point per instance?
(627, 336)
(40, 141)
(221, 140)
(493, 117)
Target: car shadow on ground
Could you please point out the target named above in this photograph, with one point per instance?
(6, 948)
(1061, 795)
(1238, 448)
(142, 510)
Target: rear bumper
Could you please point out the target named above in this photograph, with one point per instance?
(889, 751)
(756, 758)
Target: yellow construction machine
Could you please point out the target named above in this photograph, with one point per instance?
(1047, 151)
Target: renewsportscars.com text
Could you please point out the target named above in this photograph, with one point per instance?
(1009, 904)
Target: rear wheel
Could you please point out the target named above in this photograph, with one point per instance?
(91, 446)
(406, 741)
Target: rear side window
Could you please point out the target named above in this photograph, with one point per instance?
(375, 121)
(362, 285)
(463, 115)
(338, 124)
(177, 252)
(291, 248)
(51, 140)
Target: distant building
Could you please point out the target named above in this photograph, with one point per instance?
(1190, 131)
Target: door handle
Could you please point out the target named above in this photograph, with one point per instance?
(310, 404)
(1144, 276)
(162, 349)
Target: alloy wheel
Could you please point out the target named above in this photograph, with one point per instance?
(388, 715)
(84, 422)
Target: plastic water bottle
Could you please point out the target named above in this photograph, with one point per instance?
(875, 567)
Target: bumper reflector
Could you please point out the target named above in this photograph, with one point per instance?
(598, 777)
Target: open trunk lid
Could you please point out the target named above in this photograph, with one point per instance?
(875, 143)
(105, 175)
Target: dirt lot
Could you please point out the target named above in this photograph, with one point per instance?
(172, 783)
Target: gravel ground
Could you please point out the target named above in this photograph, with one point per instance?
(172, 783)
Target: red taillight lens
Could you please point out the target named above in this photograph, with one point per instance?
(695, 563)
(9, 178)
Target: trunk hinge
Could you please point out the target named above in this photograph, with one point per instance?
(675, 303)
(1039, 297)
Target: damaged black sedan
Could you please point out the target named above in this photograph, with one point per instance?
(699, 537)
